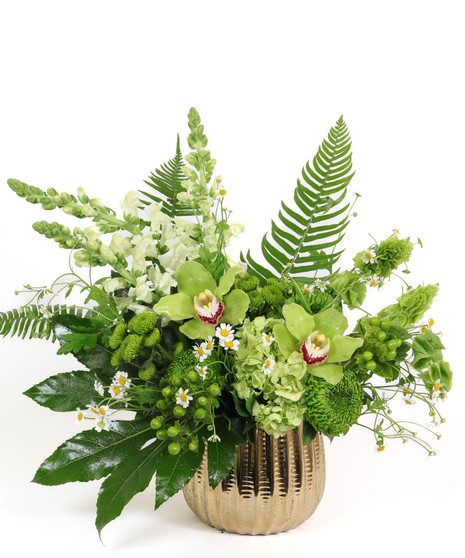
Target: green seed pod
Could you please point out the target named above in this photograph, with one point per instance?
(131, 346)
(178, 348)
(143, 323)
(151, 339)
(118, 335)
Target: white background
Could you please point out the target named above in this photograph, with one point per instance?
(93, 94)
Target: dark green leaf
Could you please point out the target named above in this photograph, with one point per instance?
(75, 342)
(173, 472)
(308, 433)
(222, 455)
(92, 455)
(127, 479)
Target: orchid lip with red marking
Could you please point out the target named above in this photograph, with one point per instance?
(209, 309)
(315, 348)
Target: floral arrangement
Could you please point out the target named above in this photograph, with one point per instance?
(200, 347)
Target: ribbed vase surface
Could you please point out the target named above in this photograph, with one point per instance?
(277, 484)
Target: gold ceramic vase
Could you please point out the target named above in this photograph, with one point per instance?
(277, 484)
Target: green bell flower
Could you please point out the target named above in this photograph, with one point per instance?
(318, 338)
(202, 302)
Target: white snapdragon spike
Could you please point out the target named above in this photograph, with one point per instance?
(225, 332)
(315, 348)
(114, 284)
(237, 227)
(156, 216)
(130, 203)
(80, 416)
(202, 370)
(144, 247)
(214, 438)
(99, 388)
(209, 309)
(369, 256)
(234, 260)
(232, 344)
(162, 281)
(141, 291)
(200, 352)
(121, 246)
(268, 365)
(182, 398)
(267, 339)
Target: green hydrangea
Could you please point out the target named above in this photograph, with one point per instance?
(411, 306)
(278, 390)
(333, 409)
(350, 288)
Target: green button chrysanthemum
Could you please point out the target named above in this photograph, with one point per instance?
(331, 409)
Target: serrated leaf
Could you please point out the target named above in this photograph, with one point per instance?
(127, 479)
(92, 455)
(76, 342)
(221, 456)
(173, 472)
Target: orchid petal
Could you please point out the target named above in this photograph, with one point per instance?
(193, 279)
(176, 307)
(299, 322)
(342, 348)
(330, 322)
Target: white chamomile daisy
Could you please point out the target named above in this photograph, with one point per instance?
(100, 413)
(202, 370)
(369, 256)
(182, 398)
(200, 352)
(121, 379)
(232, 344)
(267, 339)
(436, 389)
(268, 365)
(99, 388)
(308, 288)
(375, 281)
(214, 438)
(80, 416)
(222, 192)
(409, 400)
(208, 344)
(320, 284)
(225, 332)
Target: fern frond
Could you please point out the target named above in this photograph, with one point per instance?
(167, 182)
(305, 237)
(32, 322)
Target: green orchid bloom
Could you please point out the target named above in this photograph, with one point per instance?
(318, 338)
(202, 302)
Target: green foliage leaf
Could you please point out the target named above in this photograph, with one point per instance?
(68, 391)
(92, 455)
(76, 342)
(305, 238)
(167, 184)
(427, 349)
(173, 472)
(127, 479)
(222, 455)
(308, 433)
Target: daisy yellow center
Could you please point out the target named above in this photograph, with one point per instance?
(372, 283)
(224, 332)
(381, 448)
(368, 255)
(229, 344)
(267, 339)
(102, 411)
(210, 345)
(436, 386)
(267, 363)
(122, 380)
(205, 300)
(222, 192)
(80, 415)
(116, 390)
(183, 397)
(200, 351)
(430, 322)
